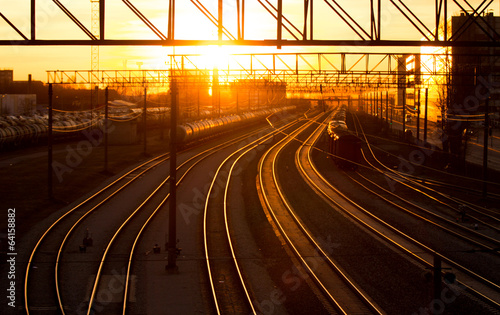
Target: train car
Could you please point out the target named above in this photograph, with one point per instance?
(345, 148)
(206, 128)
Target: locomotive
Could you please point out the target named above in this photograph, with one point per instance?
(344, 146)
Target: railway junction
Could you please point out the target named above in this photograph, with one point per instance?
(353, 182)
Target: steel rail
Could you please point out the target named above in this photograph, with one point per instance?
(113, 238)
(475, 208)
(251, 145)
(433, 214)
(70, 231)
(310, 144)
(389, 240)
(424, 182)
(434, 182)
(139, 234)
(427, 249)
(51, 227)
(207, 153)
(404, 177)
(279, 225)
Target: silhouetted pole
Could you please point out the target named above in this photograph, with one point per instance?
(106, 121)
(49, 146)
(387, 106)
(485, 149)
(404, 110)
(425, 115)
(418, 115)
(437, 270)
(437, 277)
(392, 114)
(371, 104)
(237, 100)
(172, 226)
(144, 119)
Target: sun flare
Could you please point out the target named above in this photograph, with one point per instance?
(215, 57)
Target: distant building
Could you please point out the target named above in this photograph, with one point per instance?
(474, 69)
(6, 80)
(17, 104)
(13, 99)
(468, 76)
(474, 73)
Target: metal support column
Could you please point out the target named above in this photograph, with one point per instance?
(280, 21)
(404, 112)
(387, 107)
(172, 215)
(426, 111)
(437, 277)
(144, 122)
(219, 19)
(485, 149)
(418, 115)
(237, 99)
(33, 19)
(49, 146)
(106, 123)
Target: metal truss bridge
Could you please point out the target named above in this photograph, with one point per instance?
(295, 23)
(308, 71)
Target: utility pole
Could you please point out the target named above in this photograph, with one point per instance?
(172, 215)
(144, 119)
(96, 7)
(404, 112)
(485, 148)
(387, 107)
(106, 121)
(437, 268)
(425, 115)
(418, 115)
(49, 145)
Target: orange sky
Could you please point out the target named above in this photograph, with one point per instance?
(121, 23)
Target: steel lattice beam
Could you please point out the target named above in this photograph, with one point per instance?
(373, 35)
(304, 70)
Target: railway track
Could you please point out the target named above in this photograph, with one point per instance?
(440, 190)
(479, 285)
(229, 288)
(43, 255)
(340, 293)
(136, 225)
(43, 282)
(487, 239)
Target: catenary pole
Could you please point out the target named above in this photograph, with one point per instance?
(172, 226)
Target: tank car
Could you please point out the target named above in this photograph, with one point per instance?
(205, 128)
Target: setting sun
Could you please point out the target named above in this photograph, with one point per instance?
(215, 57)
